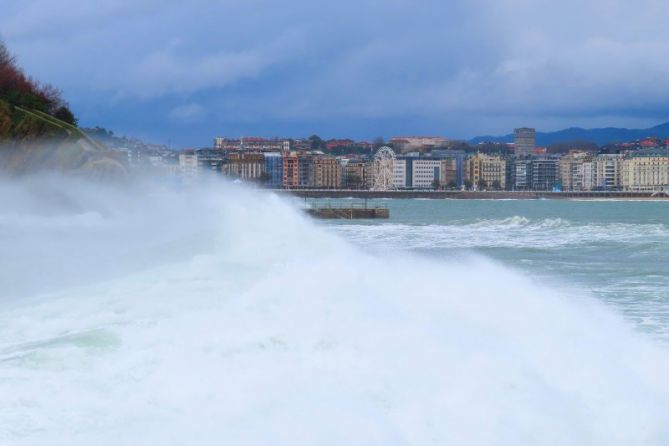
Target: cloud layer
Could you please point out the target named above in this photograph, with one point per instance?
(187, 72)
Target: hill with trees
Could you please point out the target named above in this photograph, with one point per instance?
(38, 130)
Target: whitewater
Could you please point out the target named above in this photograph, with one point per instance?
(151, 313)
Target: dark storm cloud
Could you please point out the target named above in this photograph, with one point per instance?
(375, 67)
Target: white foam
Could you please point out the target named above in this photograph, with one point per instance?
(226, 317)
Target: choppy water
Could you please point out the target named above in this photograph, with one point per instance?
(617, 251)
(218, 315)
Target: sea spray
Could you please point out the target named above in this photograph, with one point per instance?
(220, 315)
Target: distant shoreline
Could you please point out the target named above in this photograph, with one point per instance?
(473, 195)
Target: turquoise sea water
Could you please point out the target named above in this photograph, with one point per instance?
(617, 251)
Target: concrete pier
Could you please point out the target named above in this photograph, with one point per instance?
(348, 213)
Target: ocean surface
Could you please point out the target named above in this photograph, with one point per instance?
(153, 313)
(616, 251)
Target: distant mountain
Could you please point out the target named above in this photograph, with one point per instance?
(601, 136)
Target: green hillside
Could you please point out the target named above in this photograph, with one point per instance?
(39, 131)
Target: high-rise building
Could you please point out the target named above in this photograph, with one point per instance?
(524, 141)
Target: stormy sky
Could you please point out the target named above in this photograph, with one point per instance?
(184, 72)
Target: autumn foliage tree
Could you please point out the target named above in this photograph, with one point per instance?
(17, 88)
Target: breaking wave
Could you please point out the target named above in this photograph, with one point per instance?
(219, 315)
(509, 232)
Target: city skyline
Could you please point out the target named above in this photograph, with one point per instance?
(362, 70)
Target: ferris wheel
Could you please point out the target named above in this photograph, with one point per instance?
(383, 169)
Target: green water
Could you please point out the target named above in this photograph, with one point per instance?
(617, 251)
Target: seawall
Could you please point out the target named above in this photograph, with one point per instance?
(472, 195)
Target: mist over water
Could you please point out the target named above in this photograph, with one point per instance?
(618, 251)
(151, 314)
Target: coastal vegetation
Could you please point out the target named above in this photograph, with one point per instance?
(21, 94)
(38, 130)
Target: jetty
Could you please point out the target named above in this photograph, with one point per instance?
(348, 211)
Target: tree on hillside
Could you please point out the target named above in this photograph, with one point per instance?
(19, 89)
(6, 57)
(316, 142)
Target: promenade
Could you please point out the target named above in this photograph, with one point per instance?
(473, 195)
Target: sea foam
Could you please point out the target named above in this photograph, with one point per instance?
(220, 315)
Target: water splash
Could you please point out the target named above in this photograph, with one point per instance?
(225, 316)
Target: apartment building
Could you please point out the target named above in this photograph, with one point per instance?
(325, 172)
(645, 170)
(486, 171)
(291, 170)
(576, 171)
(607, 169)
(354, 174)
(244, 165)
(273, 169)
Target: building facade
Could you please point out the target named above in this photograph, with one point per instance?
(291, 171)
(486, 171)
(188, 165)
(425, 173)
(608, 171)
(248, 166)
(354, 174)
(524, 139)
(325, 172)
(645, 170)
(576, 172)
(400, 174)
(544, 174)
(273, 169)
